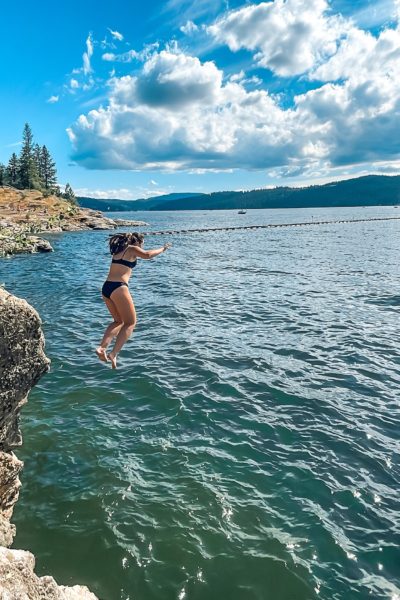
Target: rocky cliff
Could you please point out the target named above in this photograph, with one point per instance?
(22, 363)
(27, 212)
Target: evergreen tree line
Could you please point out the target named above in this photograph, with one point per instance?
(33, 169)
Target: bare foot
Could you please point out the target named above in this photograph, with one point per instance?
(101, 353)
(113, 360)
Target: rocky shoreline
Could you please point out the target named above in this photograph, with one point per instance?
(26, 213)
(22, 363)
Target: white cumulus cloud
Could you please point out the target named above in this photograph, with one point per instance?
(362, 56)
(177, 112)
(53, 99)
(175, 79)
(286, 36)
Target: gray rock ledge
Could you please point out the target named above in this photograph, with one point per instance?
(22, 363)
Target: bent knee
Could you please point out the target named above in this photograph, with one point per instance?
(117, 323)
(131, 323)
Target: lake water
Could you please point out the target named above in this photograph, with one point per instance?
(248, 446)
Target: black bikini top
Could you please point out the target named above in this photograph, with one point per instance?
(126, 263)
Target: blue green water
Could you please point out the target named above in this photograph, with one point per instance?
(248, 446)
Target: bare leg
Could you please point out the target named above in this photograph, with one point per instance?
(126, 309)
(122, 337)
(112, 330)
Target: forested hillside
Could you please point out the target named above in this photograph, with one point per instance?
(370, 190)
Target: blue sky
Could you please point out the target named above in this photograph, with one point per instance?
(136, 99)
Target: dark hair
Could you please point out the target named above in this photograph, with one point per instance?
(120, 241)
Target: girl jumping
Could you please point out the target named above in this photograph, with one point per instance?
(125, 249)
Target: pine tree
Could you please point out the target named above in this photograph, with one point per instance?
(12, 170)
(37, 157)
(48, 170)
(69, 194)
(33, 169)
(27, 173)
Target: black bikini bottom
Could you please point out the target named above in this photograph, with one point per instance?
(109, 287)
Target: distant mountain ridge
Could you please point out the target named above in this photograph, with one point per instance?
(370, 190)
(114, 204)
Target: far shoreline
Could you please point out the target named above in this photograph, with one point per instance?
(368, 190)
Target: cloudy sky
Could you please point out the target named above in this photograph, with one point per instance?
(137, 98)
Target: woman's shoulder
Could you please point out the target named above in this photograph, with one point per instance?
(127, 253)
(131, 251)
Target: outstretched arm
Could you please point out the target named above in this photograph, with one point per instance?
(148, 254)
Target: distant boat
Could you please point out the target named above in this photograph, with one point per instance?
(242, 211)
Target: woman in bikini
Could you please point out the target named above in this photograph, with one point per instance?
(125, 248)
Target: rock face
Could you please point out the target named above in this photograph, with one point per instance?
(22, 363)
(18, 580)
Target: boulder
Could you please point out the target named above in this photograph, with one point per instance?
(22, 363)
(19, 582)
(39, 244)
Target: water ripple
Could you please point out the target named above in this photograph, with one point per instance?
(248, 446)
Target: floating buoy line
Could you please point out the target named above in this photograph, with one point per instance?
(267, 226)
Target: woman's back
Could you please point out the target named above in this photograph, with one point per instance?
(121, 265)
